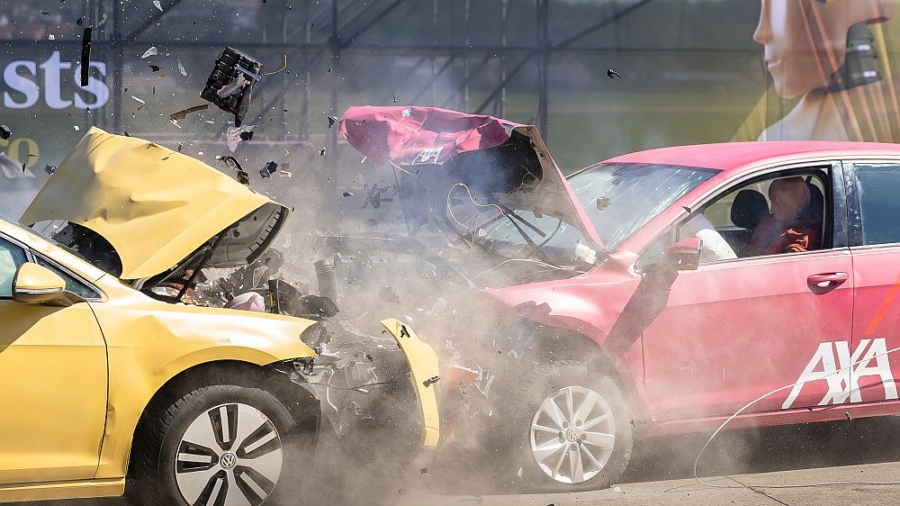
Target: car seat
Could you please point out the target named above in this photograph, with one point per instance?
(747, 210)
(813, 213)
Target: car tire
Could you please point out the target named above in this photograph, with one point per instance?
(220, 440)
(584, 442)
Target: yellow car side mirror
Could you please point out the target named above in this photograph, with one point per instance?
(35, 284)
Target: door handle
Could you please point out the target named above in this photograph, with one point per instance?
(827, 280)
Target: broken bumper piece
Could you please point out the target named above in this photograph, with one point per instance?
(375, 391)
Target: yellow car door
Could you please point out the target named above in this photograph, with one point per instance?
(53, 383)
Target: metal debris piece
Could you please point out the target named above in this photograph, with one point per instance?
(431, 381)
(190, 110)
(76, 127)
(50, 169)
(322, 152)
(242, 176)
(86, 55)
(154, 68)
(393, 97)
(181, 69)
(51, 37)
(150, 52)
(388, 295)
(5, 132)
(332, 120)
(284, 173)
(348, 194)
(157, 5)
(231, 82)
(612, 74)
(268, 170)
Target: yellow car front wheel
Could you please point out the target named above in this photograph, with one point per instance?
(220, 445)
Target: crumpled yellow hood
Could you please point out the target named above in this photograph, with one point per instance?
(155, 206)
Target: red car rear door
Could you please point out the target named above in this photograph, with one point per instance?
(875, 241)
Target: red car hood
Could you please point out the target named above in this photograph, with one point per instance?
(429, 137)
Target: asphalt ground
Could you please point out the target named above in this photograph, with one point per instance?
(847, 463)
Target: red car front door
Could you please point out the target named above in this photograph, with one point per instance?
(734, 330)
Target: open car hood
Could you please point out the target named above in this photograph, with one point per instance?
(156, 207)
(498, 161)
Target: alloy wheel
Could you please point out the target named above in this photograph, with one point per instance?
(573, 434)
(230, 455)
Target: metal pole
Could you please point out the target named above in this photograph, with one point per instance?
(118, 48)
(465, 93)
(543, 66)
(504, 12)
(304, 107)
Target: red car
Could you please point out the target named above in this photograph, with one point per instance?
(663, 291)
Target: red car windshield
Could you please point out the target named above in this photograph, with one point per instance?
(620, 198)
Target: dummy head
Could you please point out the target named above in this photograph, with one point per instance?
(788, 196)
(806, 40)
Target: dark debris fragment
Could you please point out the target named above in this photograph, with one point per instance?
(86, 55)
(612, 74)
(154, 68)
(190, 110)
(50, 169)
(431, 381)
(246, 135)
(348, 194)
(322, 152)
(267, 171)
(5, 132)
(332, 120)
(80, 21)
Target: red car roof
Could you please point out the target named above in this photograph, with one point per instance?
(734, 155)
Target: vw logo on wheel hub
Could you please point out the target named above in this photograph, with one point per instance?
(228, 461)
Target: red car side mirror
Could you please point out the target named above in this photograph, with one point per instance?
(684, 255)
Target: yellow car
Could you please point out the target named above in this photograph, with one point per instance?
(103, 377)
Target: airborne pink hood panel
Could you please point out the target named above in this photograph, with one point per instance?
(415, 135)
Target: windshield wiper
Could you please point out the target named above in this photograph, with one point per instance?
(538, 252)
(509, 213)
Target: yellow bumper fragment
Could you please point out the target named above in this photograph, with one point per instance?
(423, 363)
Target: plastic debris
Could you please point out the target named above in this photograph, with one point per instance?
(190, 110)
(181, 69)
(268, 170)
(140, 102)
(150, 52)
(234, 136)
(5, 132)
(76, 128)
(51, 37)
(157, 5)
(85, 55)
